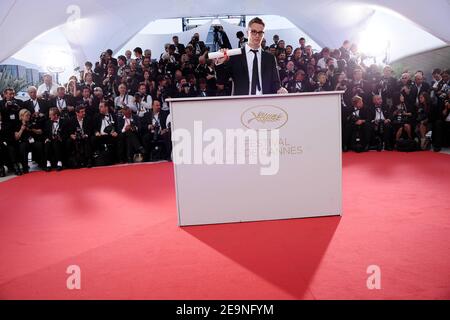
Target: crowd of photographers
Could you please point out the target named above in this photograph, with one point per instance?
(116, 111)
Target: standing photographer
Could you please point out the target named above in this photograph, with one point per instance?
(154, 131)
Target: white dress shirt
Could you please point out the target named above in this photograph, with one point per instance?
(250, 57)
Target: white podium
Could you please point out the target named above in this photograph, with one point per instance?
(309, 176)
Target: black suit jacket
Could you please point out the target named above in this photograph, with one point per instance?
(236, 68)
(134, 120)
(98, 119)
(384, 109)
(74, 125)
(43, 106)
(148, 117)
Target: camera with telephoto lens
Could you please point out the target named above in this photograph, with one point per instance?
(109, 129)
(155, 132)
(379, 126)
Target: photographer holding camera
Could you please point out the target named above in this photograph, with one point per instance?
(402, 117)
(48, 86)
(10, 106)
(55, 134)
(105, 131)
(380, 122)
(78, 145)
(64, 103)
(124, 99)
(128, 144)
(154, 132)
(356, 133)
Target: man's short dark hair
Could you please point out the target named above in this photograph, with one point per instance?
(87, 88)
(79, 108)
(239, 34)
(123, 58)
(88, 64)
(302, 39)
(110, 52)
(137, 50)
(437, 71)
(256, 20)
(54, 110)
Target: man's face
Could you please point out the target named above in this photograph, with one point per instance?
(290, 66)
(377, 101)
(61, 92)
(122, 90)
(419, 79)
(128, 54)
(255, 35)
(445, 76)
(53, 116)
(357, 75)
(32, 93)
(48, 80)
(302, 43)
(156, 106)
(387, 72)
(103, 108)
(175, 40)
(98, 94)
(359, 104)
(86, 93)
(142, 90)
(9, 95)
(81, 114)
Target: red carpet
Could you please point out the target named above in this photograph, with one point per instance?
(119, 225)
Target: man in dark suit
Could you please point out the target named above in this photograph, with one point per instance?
(155, 132)
(379, 117)
(80, 131)
(129, 127)
(179, 47)
(254, 72)
(105, 129)
(419, 86)
(356, 126)
(55, 134)
(37, 106)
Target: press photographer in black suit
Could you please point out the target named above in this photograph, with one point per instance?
(80, 131)
(356, 127)
(55, 134)
(155, 132)
(106, 133)
(254, 72)
(37, 106)
(381, 124)
(129, 145)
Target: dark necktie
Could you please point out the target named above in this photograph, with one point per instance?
(255, 74)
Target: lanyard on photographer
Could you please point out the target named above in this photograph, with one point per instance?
(379, 113)
(139, 107)
(35, 104)
(125, 97)
(80, 123)
(157, 121)
(108, 120)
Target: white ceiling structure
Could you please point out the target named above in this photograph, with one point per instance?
(88, 27)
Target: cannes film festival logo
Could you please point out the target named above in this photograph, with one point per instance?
(264, 117)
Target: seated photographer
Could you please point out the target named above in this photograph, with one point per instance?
(323, 84)
(105, 130)
(64, 103)
(78, 145)
(356, 127)
(124, 99)
(37, 106)
(423, 119)
(402, 117)
(380, 122)
(155, 131)
(55, 134)
(28, 137)
(129, 144)
(299, 83)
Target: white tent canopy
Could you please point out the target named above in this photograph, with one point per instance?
(90, 27)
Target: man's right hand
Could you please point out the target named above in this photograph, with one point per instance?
(219, 61)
